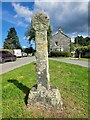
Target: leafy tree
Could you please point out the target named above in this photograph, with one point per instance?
(31, 34)
(49, 35)
(87, 39)
(72, 46)
(79, 40)
(82, 50)
(12, 40)
(8, 44)
(29, 50)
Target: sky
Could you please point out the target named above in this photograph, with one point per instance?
(71, 16)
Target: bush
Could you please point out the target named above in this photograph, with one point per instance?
(84, 51)
(60, 54)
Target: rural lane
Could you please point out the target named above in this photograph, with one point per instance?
(82, 63)
(8, 66)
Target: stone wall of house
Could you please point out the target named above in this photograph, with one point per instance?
(60, 42)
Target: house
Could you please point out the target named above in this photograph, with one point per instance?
(60, 41)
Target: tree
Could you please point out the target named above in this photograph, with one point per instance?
(29, 50)
(87, 39)
(12, 40)
(8, 44)
(81, 51)
(49, 35)
(79, 40)
(72, 46)
(31, 34)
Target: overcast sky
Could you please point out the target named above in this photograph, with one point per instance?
(72, 16)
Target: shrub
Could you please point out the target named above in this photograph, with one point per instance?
(84, 51)
(60, 54)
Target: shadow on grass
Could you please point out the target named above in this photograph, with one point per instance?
(22, 87)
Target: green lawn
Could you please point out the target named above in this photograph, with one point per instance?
(71, 80)
(85, 59)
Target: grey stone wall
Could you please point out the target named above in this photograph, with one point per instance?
(62, 41)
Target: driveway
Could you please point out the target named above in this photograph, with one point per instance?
(8, 66)
(73, 61)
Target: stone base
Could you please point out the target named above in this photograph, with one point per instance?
(41, 96)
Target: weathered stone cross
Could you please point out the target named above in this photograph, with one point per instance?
(40, 23)
(43, 94)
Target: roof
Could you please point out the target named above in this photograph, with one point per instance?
(62, 34)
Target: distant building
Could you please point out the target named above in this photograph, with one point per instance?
(60, 41)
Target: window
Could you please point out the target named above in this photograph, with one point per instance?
(56, 43)
(3, 52)
(61, 48)
(8, 52)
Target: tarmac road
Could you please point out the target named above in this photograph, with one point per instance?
(8, 66)
(82, 63)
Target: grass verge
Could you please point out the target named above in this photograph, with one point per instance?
(71, 80)
(83, 59)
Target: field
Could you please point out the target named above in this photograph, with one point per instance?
(71, 80)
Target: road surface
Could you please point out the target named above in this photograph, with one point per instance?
(8, 66)
(73, 61)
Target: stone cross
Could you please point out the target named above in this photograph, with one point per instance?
(43, 93)
(40, 23)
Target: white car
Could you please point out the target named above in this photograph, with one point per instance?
(24, 54)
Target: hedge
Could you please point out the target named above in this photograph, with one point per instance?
(60, 54)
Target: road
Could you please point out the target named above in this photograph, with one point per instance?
(8, 66)
(73, 61)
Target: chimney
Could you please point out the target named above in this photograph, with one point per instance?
(60, 30)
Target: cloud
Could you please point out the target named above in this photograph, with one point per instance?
(24, 46)
(0, 10)
(26, 38)
(22, 11)
(15, 16)
(6, 16)
(45, 0)
(17, 0)
(61, 1)
(19, 23)
(71, 16)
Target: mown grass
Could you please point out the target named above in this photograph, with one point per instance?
(83, 59)
(71, 80)
(87, 59)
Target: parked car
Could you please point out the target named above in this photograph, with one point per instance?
(24, 54)
(6, 56)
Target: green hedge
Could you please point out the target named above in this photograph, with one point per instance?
(60, 54)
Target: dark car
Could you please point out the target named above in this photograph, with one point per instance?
(6, 56)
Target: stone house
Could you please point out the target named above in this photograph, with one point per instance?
(60, 42)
